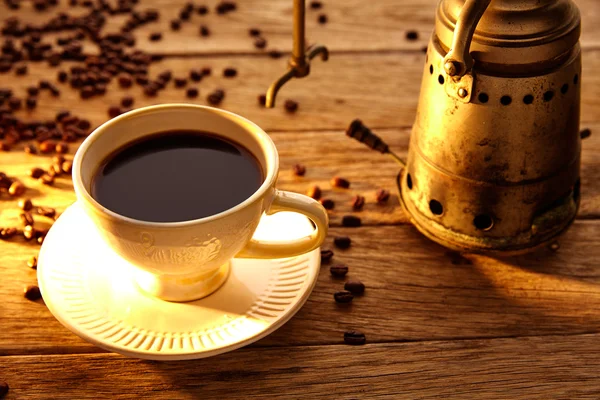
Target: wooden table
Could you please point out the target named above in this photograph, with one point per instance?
(437, 325)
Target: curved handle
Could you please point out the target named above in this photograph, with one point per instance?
(288, 201)
(458, 61)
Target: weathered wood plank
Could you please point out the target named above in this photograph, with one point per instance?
(352, 25)
(416, 290)
(554, 367)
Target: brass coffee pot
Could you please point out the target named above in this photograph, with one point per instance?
(494, 155)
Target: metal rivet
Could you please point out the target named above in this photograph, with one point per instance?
(462, 92)
(450, 68)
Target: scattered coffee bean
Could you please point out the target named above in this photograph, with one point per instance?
(316, 5)
(229, 72)
(314, 192)
(32, 262)
(46, 212)
(340, 182)
(36, 173)
(87, 92)
(299, 170)
(204, 31)
(191, 93)
(175, 25)
(47, 179)
(254, 32)
(62, 148)
(355, 287)
(7, 233)
(26, 218)
(225, 7)
(382, 196)
(114, 111)
(4, 146)
(32, 293)
(216, 97)
(206, 71)
(58, 159)
(62, 76)
(127, 101)
(180, 82)
(16, 189)
(585, 133)
(150, 90)
(21, 70)
(351, 221)
(47, 147)
(327, 204)
(155, 36)
(412, 35)
(554, 246)
(15, 103)
(125, 81)
(322, 19)
(54, 91)
(290, 106)
(28, 232)
(260, 43)
(202, 10)
(343, 296)
(3, 385)
(262, 100)
(342, 242)
(275, 54)
(33, 91)
(185, 15)
(338, 270)
(196, 75)
(62, 115)
(326, 255)
(31, 103)
(55, 169)
(354, 338)
(67, 166)
(25, 204)
(358, 202)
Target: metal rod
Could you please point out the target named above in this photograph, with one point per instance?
(299, 35)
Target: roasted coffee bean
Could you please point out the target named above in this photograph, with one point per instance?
(204, 31)
(7, 233)
(180, 82)
(54, 91)
(327, 204)
(114, 111)
(343, 296)
(55, 169)
(191, 93)
(322, 19)
(84, 124)
(351, 221)
(206, 71)
(67, 166)
(16, 189)
(382, 196)
(338, 270)
(412, 35)
(26, 218)
(342, 242)
(46, 212)
(216, 97)
(62, 148)
(32, 262)
(554, 246)
(225, 7)
(33, 91)
(125, 81)
(127, 101)
(290, 106)
(275, 54)
(47, 179)
(54, 59)
(62, 115)
(262, 99)
(230, 72)
(358, 202)
(4, 146)
(25, 204)
(185, 15)
(5, 66)
(99, 89)
(299, 170)
(62, 76)
(31, 103)
(585, 133)
(155, 36)
(40, 238)
(58, 159)
(340, 182)
(36, 173)
(47, 147)
(314, 192)
(21, 70)
(354, 338)
(326, 255)
(316, 5)
(28, 232)
(150, 90)
(3, 385)
(355, 287)
(260, 43)
(202, 10)
(87, 92)
(32, 293)
(196, 75)
(175, 25)
(15, 103)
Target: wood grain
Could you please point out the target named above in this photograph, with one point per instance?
(352, 25)
(416, 290)
(522, 368)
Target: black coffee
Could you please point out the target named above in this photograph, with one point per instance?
(176, 176)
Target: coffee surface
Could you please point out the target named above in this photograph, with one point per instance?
(176, 176)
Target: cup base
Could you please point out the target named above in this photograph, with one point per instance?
(182, 289)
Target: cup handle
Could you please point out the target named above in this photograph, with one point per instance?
(288, 201)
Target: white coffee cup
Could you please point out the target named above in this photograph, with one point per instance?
(182, 261)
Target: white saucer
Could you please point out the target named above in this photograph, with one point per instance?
(89, 289)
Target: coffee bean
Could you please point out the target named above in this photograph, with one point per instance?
(36, 173)
(33, 91)
(114, 111)
(32, 293)
(7, 233)
(46, 179)
(15, 103)
(127, 101)
(322, 19)
(191, 93)
(260, 43)
(46, 212)
(21, 70)
(343, 296)
(32, 262)
(3, 385)
(290, 106)
(275, 54)
(299, 170)
(554, 246)
(202, 10)
(342, 242)
(338, 270)
(206, 71)
(165, 76)
(141, 80)
(316, 5)
(40, 238)
(58, 159)
(26, 218)
(55, 169)
(54, 91)
(216, 97)
(225, 7)
(412, 35)
(358, 202)
(47, 147)
(99, 89)
(150, 90)
(125, 81)
(185, 15)
(62, 115)
(354, 338)
(25, 204)
(196, 75)
(31, 103)
(67, 166)
(585, 133)
(314, 192)
(351, 221)
(254, 32)
(28, 232)
(180, 82)
(340, 182)
(204, 31)
(382, 196)
(155, 36)
(229, 72)
(327, 204)
(62, 76)
(62, 148)
(87, 92)
(355, 287)
(4, 146)
(175, 25)
(262, 99)
(326, 255)
(16, 189)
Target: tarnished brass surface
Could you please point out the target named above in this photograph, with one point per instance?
(493, 162)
